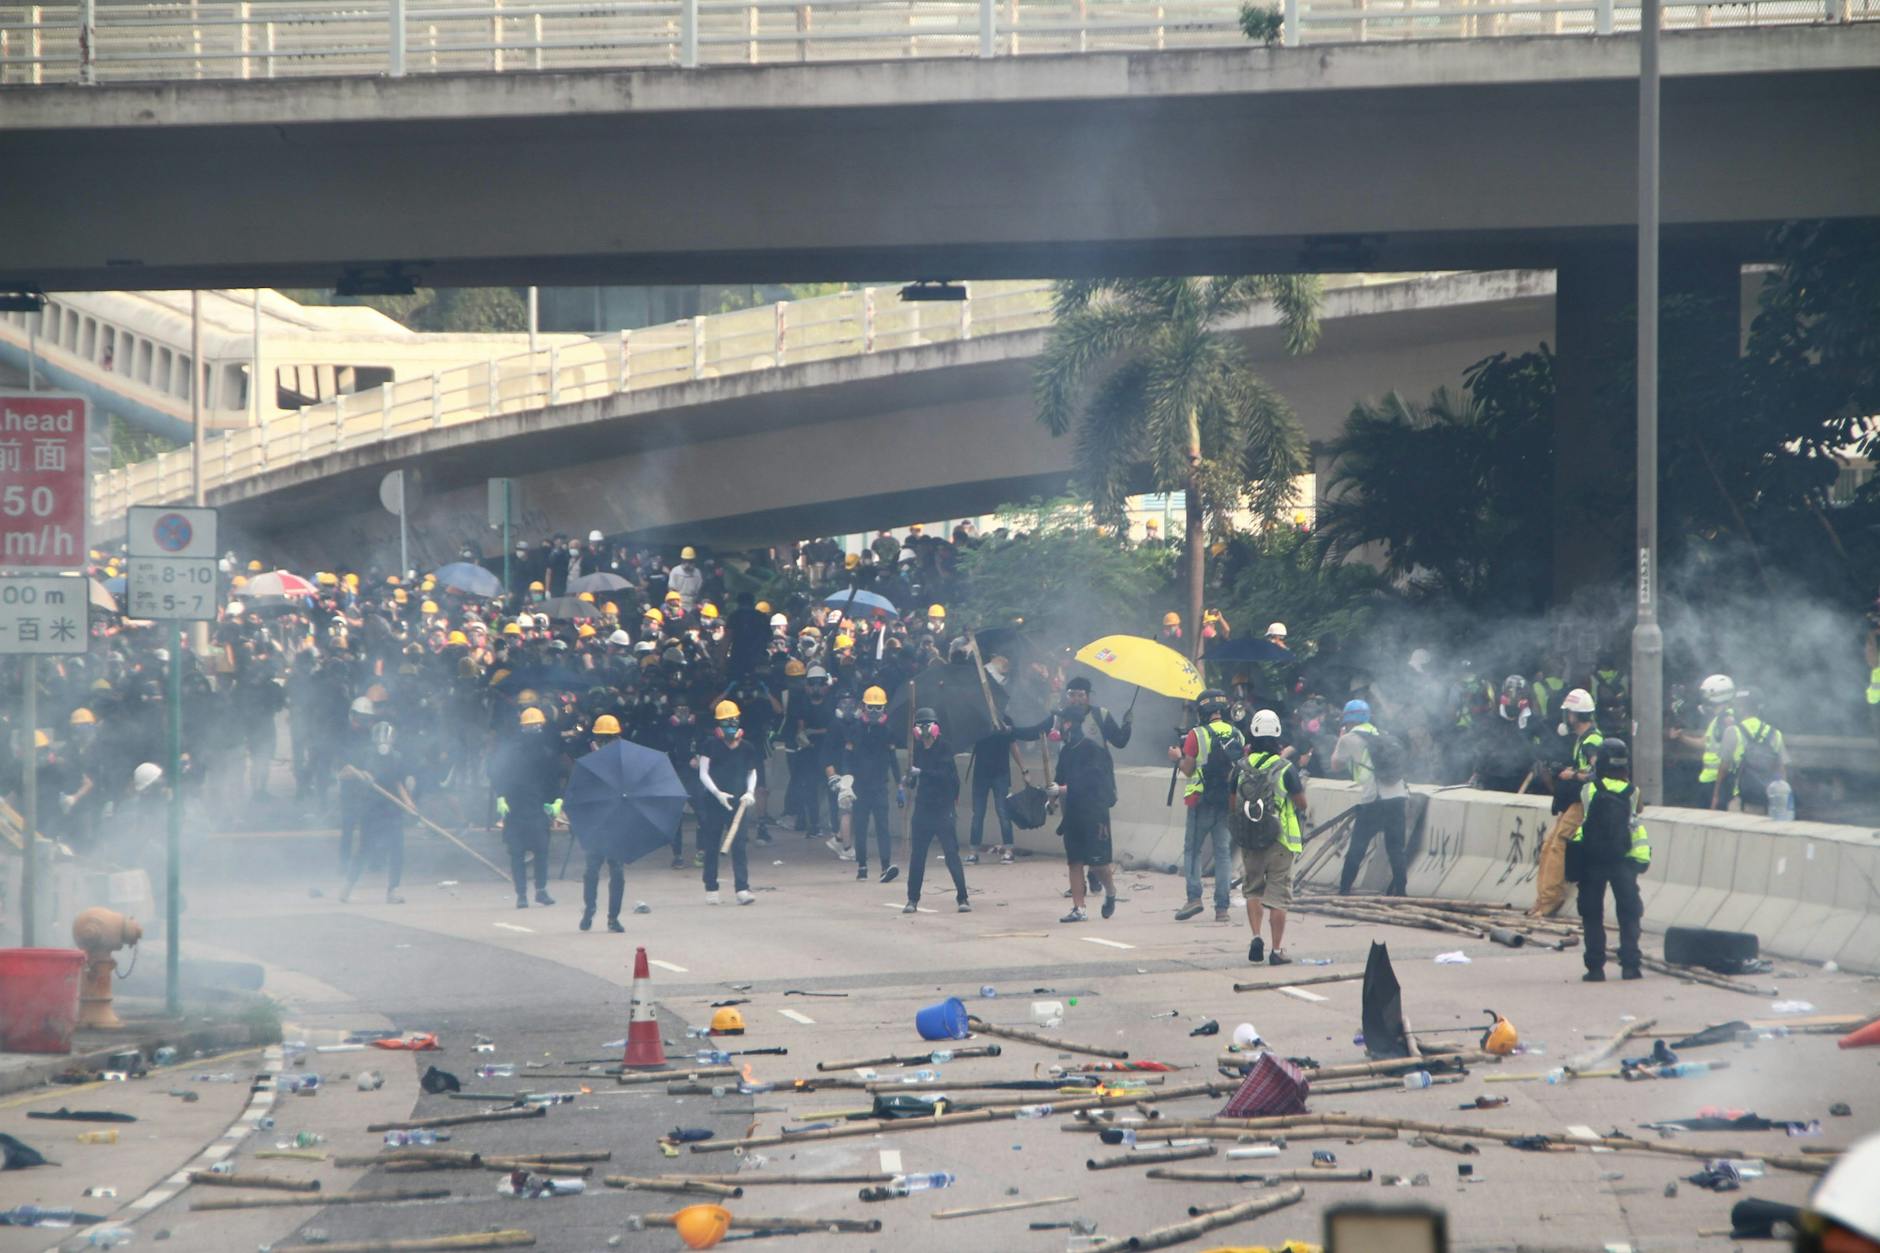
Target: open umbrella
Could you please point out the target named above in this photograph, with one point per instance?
(1249, 650)
(605, 581)
(117, 585)
(277, 583)
(569, 608)
(544, 678)
(101, 597)
(1145, 663)
(624, 800)
(855, 597)
(470, 579)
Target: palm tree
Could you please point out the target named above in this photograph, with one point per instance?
(1143, 371)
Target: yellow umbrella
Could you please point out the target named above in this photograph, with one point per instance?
(1145, 663)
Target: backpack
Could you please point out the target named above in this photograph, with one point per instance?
(1255, 816)
(1606, 831)
(1756, 770)
(1224, 753)
(1387, 756)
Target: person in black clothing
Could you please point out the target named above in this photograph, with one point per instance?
(867, 759)
(1086, 787)
(381, 770)
(817, 714)
(936, 790)
(750, 635)
(991, 772)
(679, 737)
(726, 760)
(606, 731)
(527, 777)
(1077, 699)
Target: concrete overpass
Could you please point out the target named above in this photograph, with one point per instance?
(1459, 154)
(882, 418)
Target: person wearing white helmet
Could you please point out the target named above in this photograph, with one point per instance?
(1843, 1213)
(1721, 742)
(1276, 634)
(1268, 816)
(1550, 884)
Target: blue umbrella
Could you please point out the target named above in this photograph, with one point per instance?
(867, 600)
(117, 585)
(471, 580)
(1249, 650)
(624, 800)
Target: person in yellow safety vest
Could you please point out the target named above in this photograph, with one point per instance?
(1267, 874)
(1721, 742)
(1873, 680)
(1762, 756)
(1610, 849)
(1550, 887)
(1207, 756)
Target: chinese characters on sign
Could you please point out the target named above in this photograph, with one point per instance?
(43, 614)
(172, 563)
(43, 485)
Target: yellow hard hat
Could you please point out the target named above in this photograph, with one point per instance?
(532, 717)
(794, 669)
(392, 580)
(653, 615)
(497, 676)
(1171, 618)
(763, 606)
(702, 1226)
(428, 608)
(398, 595)
(672, 593)
(728, 1021)
(41, 740)
(458, 637)
(936, 611)
(536, 586)
(1501, 1038)
(586, 596)
(607, 724)
(352, 580)
(874, 696)
(845, 641)
(687, 553)
(914, 530)
(240, 580)
(584, 631)
(254, 567)
(82, 717)
(512, 628)
(708, 610)
(326, 578)
(727, 709)
(814, 632)
(851, 560)
(611, 609)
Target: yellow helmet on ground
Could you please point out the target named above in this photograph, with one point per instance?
(727, 709)
(607, 724)
(1501, 1038)
(702, 1226)
(532, 717)
(728, 1021)
(874, 696)
(83, 717)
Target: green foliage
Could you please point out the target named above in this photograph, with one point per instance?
(731, 299)
(1064, 579)
(1262, 24)
(130, 444)
(482, 310)
(1276, 577)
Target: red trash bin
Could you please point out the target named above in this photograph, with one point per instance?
(39, 998)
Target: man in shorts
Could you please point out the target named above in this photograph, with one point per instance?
(1268, 873)
(1086, 787)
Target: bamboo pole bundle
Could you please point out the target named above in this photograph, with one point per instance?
(274, 1182)
(1149, 1157)
(1201, 1222)
(794, 1226)
(1273, 985)
(459, 1120)
(911, 1059)
(663, 1076)
(674, 1183)
(385, 1197)
(1448, 1144)
(983, 1027)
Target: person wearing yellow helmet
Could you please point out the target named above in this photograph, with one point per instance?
(585, 631)
(428, 609)
(585, 597)
(686, 579)
(606, 730)
(526, 776)
(864, 766)
(937, 619)
(1170, 632)
(726, 759)
(457, 639)
(513, 630)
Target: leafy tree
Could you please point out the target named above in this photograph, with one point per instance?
(482, 310)
(1062, 578)
(1276, 576)
(1141, 370)
(1265, 25)
(130, 444)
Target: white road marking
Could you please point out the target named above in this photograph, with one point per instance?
(890, 1161)
(510, 926)
(677, 970)
(900, 904)
(1097, 939)
(793, 1016)
(1300, 994)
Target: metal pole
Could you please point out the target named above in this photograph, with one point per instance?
(534, 319)
(404, 556)
(87, 42)
(195, 395)
(29, 802)
(254, 366)
(1648, 640)
(395, 39)
(988, 28)
(32, 349)
(173, 867)
(688, 34)
(508, 587)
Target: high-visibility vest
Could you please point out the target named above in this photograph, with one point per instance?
(1545, 691)
(1204, 745)
(1713, 750)
(1288, 816)
(1873, 686)
(1641, 848)
(1583, 749)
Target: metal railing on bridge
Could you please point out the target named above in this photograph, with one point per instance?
(204, 39)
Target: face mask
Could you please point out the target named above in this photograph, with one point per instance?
(1071, 732)
(1562, 730)
(730, 732)
(929, 731)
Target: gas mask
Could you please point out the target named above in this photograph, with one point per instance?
(928, 732)
(382, 735)
(1068, 730)
(731, 731)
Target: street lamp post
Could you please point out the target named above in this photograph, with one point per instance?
(1648, 640)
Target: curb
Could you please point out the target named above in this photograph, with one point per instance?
(223, 1038)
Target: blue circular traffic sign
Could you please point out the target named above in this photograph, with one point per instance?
(173, 532)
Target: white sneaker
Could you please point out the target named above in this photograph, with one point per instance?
(847, 854)
(746, 898)
(833, 845)
(711, 898)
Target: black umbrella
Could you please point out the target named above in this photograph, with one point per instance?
(952, 691)
(1381, 1014)
(623, 800)
(545, 678)
(605, 581)
(568, 608)
(1249, 650)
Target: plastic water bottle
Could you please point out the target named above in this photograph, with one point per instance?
(1034, 1111)
(1417, 1080)
(712, 1057)
(921, 1076)
(941, 1056)
(37, 1216)
(297, 1083)
(308, 1139)
(904, 1185)
(399, 1139)
(164, 1056)
(500, 1070)
(988, 991)
(1683, 1070)
(1557, 1075)
(108, 1238)
(98, 1137)
(1781, 801)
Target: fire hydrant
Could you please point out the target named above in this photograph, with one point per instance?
(101, 932)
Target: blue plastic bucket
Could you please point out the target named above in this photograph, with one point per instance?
(945, 1021)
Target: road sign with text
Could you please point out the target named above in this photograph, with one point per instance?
(172, 563)
(44, 491)
(43, 614)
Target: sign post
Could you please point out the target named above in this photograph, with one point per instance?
(501, 494)
(392, 497)
(45, 505)
(173, 577)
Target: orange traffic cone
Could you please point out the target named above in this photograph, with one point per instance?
(1861, 1037)
(645, 1051)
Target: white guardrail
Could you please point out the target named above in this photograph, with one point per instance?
(94, 40)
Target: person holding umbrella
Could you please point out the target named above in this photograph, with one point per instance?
(725, 760)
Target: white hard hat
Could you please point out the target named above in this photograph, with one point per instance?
(619, 638)
(1276, 628)
(1848, 1194)
(1718, 689)
(236, 609)
(541, 622)
(778, 620)
(817, 672)
(595, 537)
(1265, 724)
(145, 775)
(1578, 701)
(362, 706)
(645, 646)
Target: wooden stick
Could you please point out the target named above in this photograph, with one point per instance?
(412, 810)
(911, 1059)
(1435, 1064)
(1267, 1177)
(1449, 1144)
(976, 1210)
(513, 1238)
(1587, 1061)
(749, 1178)
(1708, 978)
(1204, 1221)
(275, 1182)
(1273, 985)
(1149, 1157)
(664, 1076)
(798, 1226)
(1375, 1085)
(350, 1198)
(1051, 1042)
(458, 1120)
(292, 1155)
(643, 1183)
(1045, 1093)
(504, 1164)
(410, 1154)
(867, 1127)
